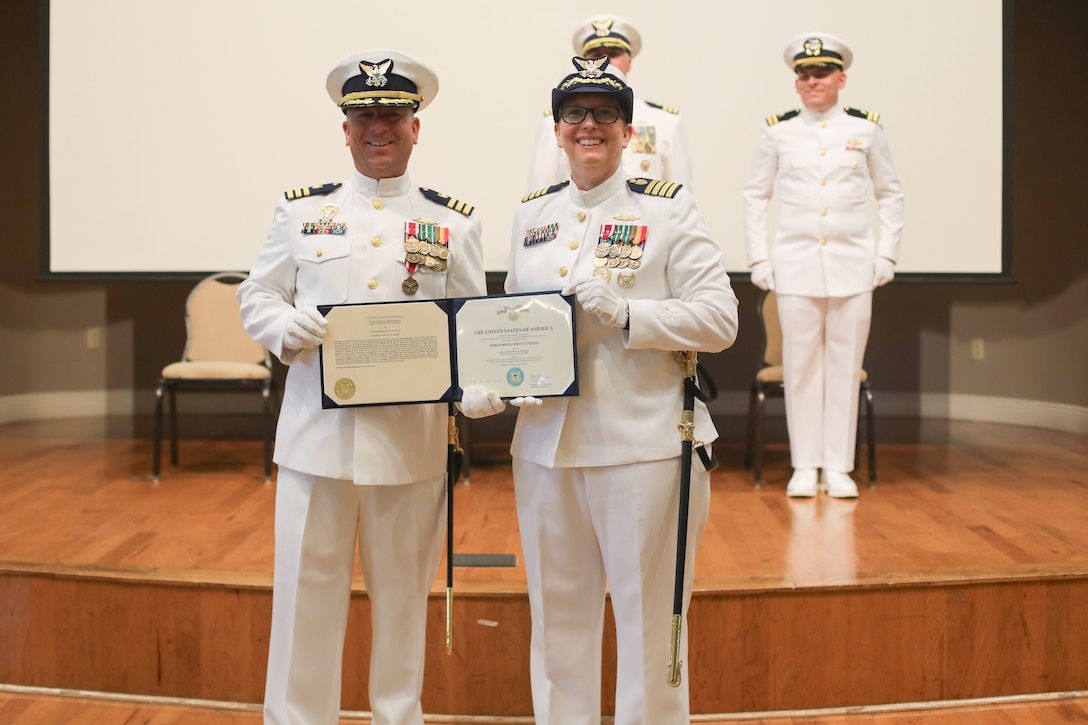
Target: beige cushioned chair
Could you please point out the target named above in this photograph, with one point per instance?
(768, 382)
(219, 356)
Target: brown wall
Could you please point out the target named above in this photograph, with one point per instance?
(1036, 330)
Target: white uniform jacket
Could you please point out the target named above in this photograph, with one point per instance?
(365, 263)
(679, 298)
(658, 148)
(824, 244)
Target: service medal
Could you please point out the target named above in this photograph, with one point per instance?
(409, 286)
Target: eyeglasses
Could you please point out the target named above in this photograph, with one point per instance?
(819, 72)
(601, 114)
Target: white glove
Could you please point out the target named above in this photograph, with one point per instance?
(479, 402)
(305, 330)
(597, 298)
(763, 276)
(883, 271)
(527, 400)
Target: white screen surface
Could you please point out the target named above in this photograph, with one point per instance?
(175, 126)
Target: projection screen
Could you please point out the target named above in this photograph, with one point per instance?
(174, 126)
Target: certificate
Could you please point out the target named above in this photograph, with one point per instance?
(427, 351)
(517, 345)
(387, 352)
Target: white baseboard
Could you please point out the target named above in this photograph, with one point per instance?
(983, 408)
(76, 404)
(951, 406)
(954, 406)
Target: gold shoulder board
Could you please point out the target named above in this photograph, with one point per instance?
(447, 201)
(302, 193)
(654, 187)
(772, 120)
(867, 115)
(544, 192)
(666, 109)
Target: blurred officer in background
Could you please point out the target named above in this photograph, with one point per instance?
(826, 259)
(658, 148)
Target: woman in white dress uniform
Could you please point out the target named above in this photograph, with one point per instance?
(597, 476)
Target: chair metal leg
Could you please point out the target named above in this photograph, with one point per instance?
(156, 437)
(751, 428)
(173, 412)
(757, 439)
(870, 424)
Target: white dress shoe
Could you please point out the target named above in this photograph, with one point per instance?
(840, 485)
(802, 483)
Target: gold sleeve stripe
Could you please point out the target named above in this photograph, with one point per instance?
(460, 206)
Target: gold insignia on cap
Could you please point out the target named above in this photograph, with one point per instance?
(375, 72)
(592, 67)
(603, 28)
(813, 46)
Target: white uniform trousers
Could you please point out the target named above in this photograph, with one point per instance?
(583, 529)
(823, 348)
(400, 534)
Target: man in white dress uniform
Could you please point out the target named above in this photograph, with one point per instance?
(659, 146)
(826, 259)
(369, 476)
(597, 476)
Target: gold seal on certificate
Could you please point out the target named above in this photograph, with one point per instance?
(344, 389)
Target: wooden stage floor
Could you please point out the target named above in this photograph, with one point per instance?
(957, 504)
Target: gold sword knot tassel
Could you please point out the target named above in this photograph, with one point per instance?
(449, 620)
(689, 361)
(453, 436)
(687, 426)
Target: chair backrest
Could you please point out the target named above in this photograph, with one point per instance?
(771, 329)
(213, 321)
